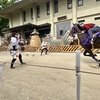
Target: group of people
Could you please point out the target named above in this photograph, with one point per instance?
(15, 42)
(90, 28)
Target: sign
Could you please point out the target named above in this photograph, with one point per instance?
(62, 18)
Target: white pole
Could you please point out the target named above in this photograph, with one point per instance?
(78, 76)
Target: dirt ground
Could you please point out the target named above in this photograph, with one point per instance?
(49, 77)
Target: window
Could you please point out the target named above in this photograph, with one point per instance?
(38, 11)
(97, 18)
(69, 4)
(48, 8)
(80, 2)
(81, 21)
(97, 0)
(24, 15)
(55, 6)
(32, 13)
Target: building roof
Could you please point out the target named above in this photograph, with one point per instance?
(24, 27)
(27, 27)
(6, 11)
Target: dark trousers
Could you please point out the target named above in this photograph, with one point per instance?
(45, 50)
(22, 48)
(14, 59)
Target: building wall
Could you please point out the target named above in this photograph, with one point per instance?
(88, 12)
(44, 18)
(15, 18)
(27, 9)
(62, 10)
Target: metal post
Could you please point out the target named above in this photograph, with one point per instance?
(78, 75)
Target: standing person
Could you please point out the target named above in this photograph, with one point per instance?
(44, 47)
(22, 44)
(90, 28)
(14, 45)
(61, 31)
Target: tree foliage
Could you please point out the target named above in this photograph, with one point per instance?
(4, 23)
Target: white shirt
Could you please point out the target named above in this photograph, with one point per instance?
(44, 44)
(13, 42)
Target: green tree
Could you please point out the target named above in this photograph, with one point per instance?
(4, 23)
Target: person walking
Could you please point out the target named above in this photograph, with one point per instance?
(14, 45)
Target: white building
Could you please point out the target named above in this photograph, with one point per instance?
(48, 16)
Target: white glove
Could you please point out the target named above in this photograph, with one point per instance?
(82, 32)
(91, 42)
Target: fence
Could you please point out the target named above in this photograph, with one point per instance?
(69, 48)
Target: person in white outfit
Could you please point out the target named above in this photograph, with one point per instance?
(14, 45)
(44, 47)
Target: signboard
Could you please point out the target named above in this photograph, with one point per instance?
(62, 18)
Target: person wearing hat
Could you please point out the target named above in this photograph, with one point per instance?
(14, 45)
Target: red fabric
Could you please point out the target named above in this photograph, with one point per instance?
(88, 26)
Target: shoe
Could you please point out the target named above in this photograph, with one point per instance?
(23, 63)
(12, 67)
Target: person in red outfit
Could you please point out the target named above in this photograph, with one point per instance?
(90, 28)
